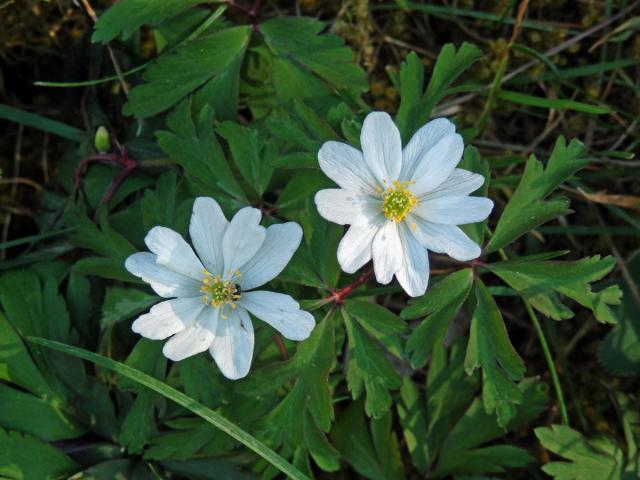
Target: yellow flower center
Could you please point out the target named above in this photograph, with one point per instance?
(397, 201)
(218, 292)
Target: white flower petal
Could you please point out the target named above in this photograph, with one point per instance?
(242, 239)
(194, 339)
(421, 142)
(414, 274)
(346, 166)
(459, 183)
(164, 282)
(346, 207)
(206, 229)
(381, 147)
(232, 347)
(447, 239)
(280, 243)
(168, 318)
(454, 210)
(280, 311)
(437, 164)
(387, 252)
(355, 247)
(173, 252)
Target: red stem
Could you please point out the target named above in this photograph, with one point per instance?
(338, 296)
(281, 348)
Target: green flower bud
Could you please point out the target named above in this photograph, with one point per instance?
(102, 141)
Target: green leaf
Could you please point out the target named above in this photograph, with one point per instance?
(159, 205)
(299, 39)
(620, 351)
(181, 399)
(30, 305)
(489, 348)
(194, 146)
(187, 437)
(16, 365)
(439, 295)
(368, 370)
(41, 417)
(41, 123)
(449, 392)
(555, 103)
(180, 72)
(306, 412)
(207, 468)
(101, 238)
(247, 147)
(541, 283)
(587, 459)
(527, 208)
(139, 425)
(380, 323)
(416, 106)
(441, 303)
(123, 303)
(199, 380)
(26, 457)
(413, 419)
(465, 449)
(372, 454)
(125, 17)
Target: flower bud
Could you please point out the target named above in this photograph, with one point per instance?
(102, 141)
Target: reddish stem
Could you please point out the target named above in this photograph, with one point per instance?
(250, 12)
(338, 296)
(120, 159)
(281, 348)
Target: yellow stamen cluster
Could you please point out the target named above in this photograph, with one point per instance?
(397, 201)
(218, 292)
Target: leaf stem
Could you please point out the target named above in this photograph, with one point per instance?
(552, 368)
(338, 296)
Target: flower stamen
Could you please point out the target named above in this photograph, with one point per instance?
(219, 292)
(397, 201)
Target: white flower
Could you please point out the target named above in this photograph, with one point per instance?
(211, 296)
(401, 202)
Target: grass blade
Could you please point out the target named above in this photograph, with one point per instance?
(181, 399)
(532, 101)
(41, 123)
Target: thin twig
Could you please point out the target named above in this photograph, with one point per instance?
(17, 157)
(116, 65)
(502, 67)
(552, 51)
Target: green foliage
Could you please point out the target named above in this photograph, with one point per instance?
(210, 63)
(448, 433)
(24, 456)
(181, 399)
(541, 283)
(368, 370)
(236, 106)
(596, 458)
(125, 18)
(416, 106)
(489, 347)
(193, 145)
(298, 40)
(620, 350)
(301, 419)
(441, 303)
(528, 208)
(372, 450)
